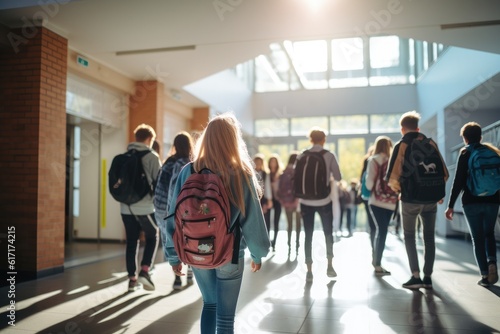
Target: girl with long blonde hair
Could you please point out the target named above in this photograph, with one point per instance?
(222, 150)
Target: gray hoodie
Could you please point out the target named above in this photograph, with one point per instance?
(151, 164)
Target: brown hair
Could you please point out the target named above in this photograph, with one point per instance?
(317, 135)
(383, 144)
(409, 120)
(143, 132)
(472, 132)
(183, 145)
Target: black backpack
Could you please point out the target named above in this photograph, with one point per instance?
(310, 180)
(422, 177)
(128, 183)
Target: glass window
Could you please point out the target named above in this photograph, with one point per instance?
(351, 153)
(310, 61)
(384, 51)
(266, 78)
(385, 123)
(301, 126)
(349, 124)
(283, 150)
(347, 54)
(273, 127)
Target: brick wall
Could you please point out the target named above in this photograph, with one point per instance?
(146, 106)
(200, 119)
(33, 149)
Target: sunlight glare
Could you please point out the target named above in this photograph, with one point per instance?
(78, 290)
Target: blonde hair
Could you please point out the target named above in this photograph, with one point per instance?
(221, 149)
(383, 144)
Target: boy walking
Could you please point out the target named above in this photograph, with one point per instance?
(417, 171)
(140, 215)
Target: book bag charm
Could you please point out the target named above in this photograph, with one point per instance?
(310, 180)
(203, 236)
(127, 181)
(484, 171)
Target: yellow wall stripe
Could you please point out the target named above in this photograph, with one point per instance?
(104, 182)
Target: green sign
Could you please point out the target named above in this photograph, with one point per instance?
(82, 61)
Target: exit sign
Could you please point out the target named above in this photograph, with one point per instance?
(82, 61)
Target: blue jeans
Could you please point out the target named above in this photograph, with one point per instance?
(381, 218)
(326, 215)
(481, 219)
(409, 214)
(220, 289)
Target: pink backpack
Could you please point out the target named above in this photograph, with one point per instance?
(203, 237)
(381, 190)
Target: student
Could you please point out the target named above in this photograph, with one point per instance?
(309, 207)
(480, 211)
(140, 216)
(290, 202)
(275, 169)
(262, 174)
(222, 150)
(381, 207)
(413, 201)
(182, 153)
(371, 225)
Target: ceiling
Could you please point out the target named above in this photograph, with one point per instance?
(216, 35)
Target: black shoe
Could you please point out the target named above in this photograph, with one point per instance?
(379, 271)
(484, 281)
(133, 285)
(492, 273)
(146, 281)
(413, 283)
(427, 282)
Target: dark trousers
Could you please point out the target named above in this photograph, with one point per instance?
(133, 226)
(482, 218)
(381, 218)
(326, 215)
(371, 224)
(276, 220)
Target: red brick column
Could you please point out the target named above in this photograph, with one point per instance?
(33, 150)
(146, 106)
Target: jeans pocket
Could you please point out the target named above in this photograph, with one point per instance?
(229, 270)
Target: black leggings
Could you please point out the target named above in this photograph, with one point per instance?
(277, 214)
(133, 229)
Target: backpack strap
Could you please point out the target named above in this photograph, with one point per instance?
(237, 238)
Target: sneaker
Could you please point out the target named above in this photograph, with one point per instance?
(427, 282)
(146, 281)
(190, 276)
(483, 281)
(309, 277)
(177, 283)
(379, 271)
(133, 285)
(413, 283)
(492, 273)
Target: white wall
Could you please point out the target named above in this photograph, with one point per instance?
(223, 91)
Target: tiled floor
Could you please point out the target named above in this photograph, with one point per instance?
(92, 298)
